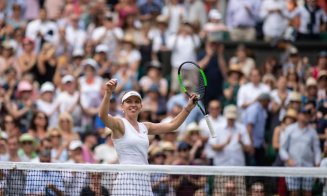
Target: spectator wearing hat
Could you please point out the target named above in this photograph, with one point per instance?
(28, 59)
(101, 57)
(321, 64)
(47, 103)
(22, 108)
(168, 149)
(229, 146)
(300, 148)
(289, 118)
(7, 58)
(243, 60)
(232, 85)
(159, 44)
(212, 61)
(295, 101)
(183, 45)
(311, 91)
(76, 61)
(154, 77)
(193, 137)
(214, 29)
(28, 146)
(68, 100)
(255, 118)
(242, 18)
(75, 148)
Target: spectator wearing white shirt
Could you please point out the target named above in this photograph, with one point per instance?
(241, 19)
(183, 45)
(230, 144)
(273, 13)
(313, 20)
(42, 30)
(46, 103)
(68, 100)
(106, 153)
(217, 120)
(75, 36)
(108, 34)
(132, 55)
(176, 13)
(249, 92)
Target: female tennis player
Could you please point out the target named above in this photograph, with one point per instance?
(130, 138)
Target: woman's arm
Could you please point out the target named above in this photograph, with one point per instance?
(114, 124)
(159, 128)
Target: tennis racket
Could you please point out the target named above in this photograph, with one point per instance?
(192, 80)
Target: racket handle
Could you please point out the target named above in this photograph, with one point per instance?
(212, 132)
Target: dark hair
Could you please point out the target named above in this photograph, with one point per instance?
(33, 125)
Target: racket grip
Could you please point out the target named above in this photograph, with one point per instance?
(212, 132)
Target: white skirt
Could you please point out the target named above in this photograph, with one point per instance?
(132, 184)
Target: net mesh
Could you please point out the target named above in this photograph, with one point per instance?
(192, 80)
(84, 179)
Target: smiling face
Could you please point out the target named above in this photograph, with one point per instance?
(132, 106)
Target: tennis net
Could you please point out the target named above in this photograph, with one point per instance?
(95, 179)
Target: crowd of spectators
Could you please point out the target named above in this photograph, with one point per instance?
(56, 56)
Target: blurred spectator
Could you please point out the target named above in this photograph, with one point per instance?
(241, 19)
(95, 187)
(54, 8)
(42, 30)
(149, 10)
(75, 36)
(212, 61)
(183, 46)
(103, 64)
(176, 14)
(232, 85)
(310, 91)
(249, 92)
(65, 124)
(68, 100)
(4, 156)
(9, 126)
(13, 147)
(89, 142)
(46, 64)
(217, 120)
(274, 16)
(31, 9)
(27, 152)
(125, 8)
(321, 64)
(126, 78)
(22, 108)
(28, 59)
(279, 133)
(312, 20)
(39, 125)
(46, 103)
(106, 153)
(50, 182)
(193, 137)
(322, 85)
(59, 151)
(215, 27)
(154, 78)
(130, 53)
(280, 98)
(7, 58)
(257, 189)
(16, 20)
(300, 148)
(242, 59)
(75, 152)
(154, 101)
(255, 119)
(160, 49)
(196, 13)
(295, 101)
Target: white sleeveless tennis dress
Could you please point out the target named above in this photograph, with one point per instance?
(132, 148)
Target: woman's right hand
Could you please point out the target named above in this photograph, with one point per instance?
(111, 85)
